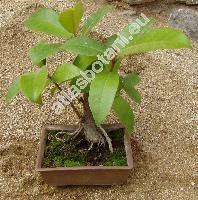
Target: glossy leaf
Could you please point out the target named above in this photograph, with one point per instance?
(102, 93)
(13, 90)
(124, 113)
(70, 18)
(95, 18)
(161, 38)
(47, 21)
(84, 46)
(33, 84)
(65, 72)
(41, 51)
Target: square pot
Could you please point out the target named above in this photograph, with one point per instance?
(86, 175)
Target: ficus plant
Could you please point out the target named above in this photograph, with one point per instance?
(103, 93)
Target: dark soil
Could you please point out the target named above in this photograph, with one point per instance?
(63, 150)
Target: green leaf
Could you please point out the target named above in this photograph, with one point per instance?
(128, 83)
(133, 93)
(83, 90)
(13, 90)
(127, 34)
(110, 41)
(47, 21)
(162, 38)
(42, 63)
(70, 18)
(65, 72)
(83, 62)
(96, 18)
(33, 84)
(124, 113)
(84, 46)
(117, 64)
(131, 80)
(102, 93)
(41, 51)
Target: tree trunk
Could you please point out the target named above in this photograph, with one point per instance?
(91, 131)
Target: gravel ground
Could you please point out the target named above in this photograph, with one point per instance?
(165, 137)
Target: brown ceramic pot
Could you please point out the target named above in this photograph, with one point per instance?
(87, 175)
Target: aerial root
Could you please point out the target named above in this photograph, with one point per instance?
(108, 139)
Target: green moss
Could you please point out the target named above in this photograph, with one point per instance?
(118, 158)
(116, 162)
(58, 161)
(62, 151)
(46, 162)
(71, 163)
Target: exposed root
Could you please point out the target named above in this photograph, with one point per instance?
(108, 139)
(57, 138)
(73, 134)
(76, 133)
(90, 147)
(92, 135)
(99, 145)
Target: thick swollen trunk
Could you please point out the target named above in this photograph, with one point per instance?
(92, 134)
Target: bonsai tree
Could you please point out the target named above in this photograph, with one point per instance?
(95, 76)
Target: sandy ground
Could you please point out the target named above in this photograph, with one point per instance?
(165, 137)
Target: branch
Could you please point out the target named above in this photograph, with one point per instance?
(72, 105)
